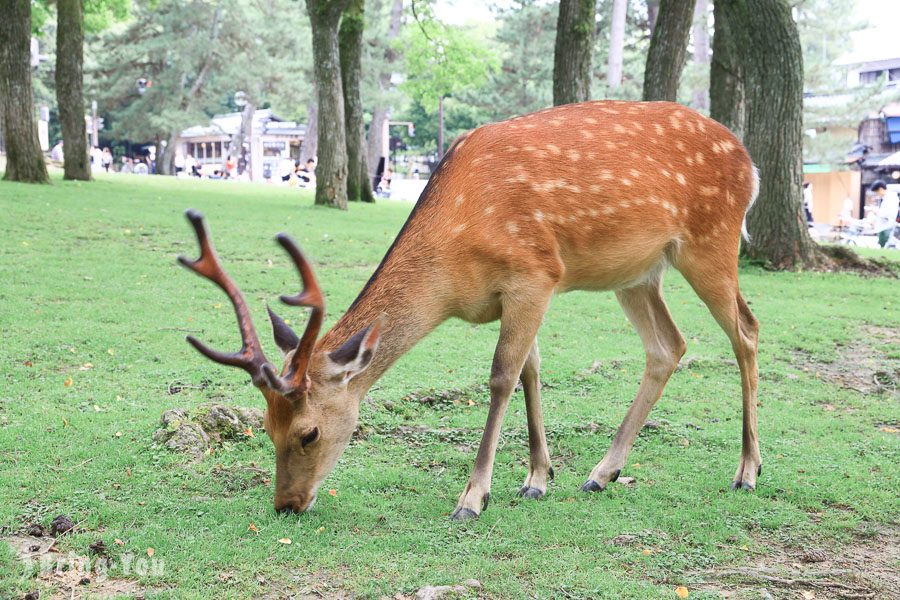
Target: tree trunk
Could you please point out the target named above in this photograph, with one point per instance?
(616, 44)
(350, 43)
(772, 66)
(700, 33)
(726, 81)
(245, 149)
(311, 137)
(668, 50)
(165, 162)
(652, 14)
(24, 159)
(331, 170)
(574, 49)
(380, 113)
(69, 84)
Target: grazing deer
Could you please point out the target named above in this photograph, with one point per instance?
(592, 196)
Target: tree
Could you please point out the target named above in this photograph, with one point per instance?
(350, 38)
(574, 51)
(617, 43)
(726, 80)
(668, 50)
(771, 75)
(69, 87)
(443, 61)
(700, 34)
(385, 56)
(331, 170)
(24, 159)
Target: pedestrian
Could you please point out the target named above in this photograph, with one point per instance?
(808, 201)
(886, 217)
(106, 159)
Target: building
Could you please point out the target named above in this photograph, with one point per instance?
(272, 141)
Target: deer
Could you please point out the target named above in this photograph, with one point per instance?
(603, 196)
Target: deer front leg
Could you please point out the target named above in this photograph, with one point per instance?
(664, 347)
(540, 472)
(519, 323)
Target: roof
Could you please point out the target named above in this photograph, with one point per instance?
(229, 124)
(892, 160)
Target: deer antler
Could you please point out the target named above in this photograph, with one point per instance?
(250, 357)
(296, 380)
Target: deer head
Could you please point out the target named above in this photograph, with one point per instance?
(311, 409)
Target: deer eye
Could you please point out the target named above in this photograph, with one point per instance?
(309, 437)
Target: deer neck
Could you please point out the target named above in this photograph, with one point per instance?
(407, 294)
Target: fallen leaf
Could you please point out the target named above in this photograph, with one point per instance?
(320, 530)
(249, 432)
(646, 551)
(286, 541)
(118, 542)
(252, 527)
(889, 429)
(68, 382)
(332, 492)
(681, 591)
(471, 403)
(86, 367)
(150, 552)
(110, 351)
(65, 422)
(808, 595)
(828, 407)
(28, 363)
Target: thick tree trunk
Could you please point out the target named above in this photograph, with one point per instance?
(616, 44)
(331, 170)
(772, 68)
(165, 162)
(727, 103)
(311, 137)
(574, 49)
(668, 50)
(381, 113)
(350, 43)
(700, 33)
(24, 159)
(69, 87)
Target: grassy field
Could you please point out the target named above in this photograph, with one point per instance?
(94, 309)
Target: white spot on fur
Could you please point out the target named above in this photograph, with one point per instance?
(512, 227)
(538, 215)
(459, 200)
(574, 155)
(680, 178)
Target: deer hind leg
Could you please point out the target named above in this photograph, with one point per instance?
(539, 472)
(663, 346)
(519, 322)
(717, 286)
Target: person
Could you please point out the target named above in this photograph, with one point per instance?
(229, 167)
(96, 158)
(384, 187)
(179, 163)
(106, 159)
(56, 153)
(886, 217)
(808, 201)
(307, 174)
(192, 165)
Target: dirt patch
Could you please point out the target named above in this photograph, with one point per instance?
(65, 576)
(845, 259)
(865, 566)
(194, 433)
(864, 365)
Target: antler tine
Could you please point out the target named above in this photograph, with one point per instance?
(310, 296)
(250, 357)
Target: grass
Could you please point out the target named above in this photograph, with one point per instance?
(89, 276)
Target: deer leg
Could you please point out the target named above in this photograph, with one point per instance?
(539, 471)
(519, 322)
(663, 346)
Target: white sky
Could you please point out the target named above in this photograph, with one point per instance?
(877, 12)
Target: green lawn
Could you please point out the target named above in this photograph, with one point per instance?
(89, 276)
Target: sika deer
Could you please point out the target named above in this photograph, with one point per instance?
(593, 196)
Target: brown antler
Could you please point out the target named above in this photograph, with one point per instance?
(250, 357)
(296, 380)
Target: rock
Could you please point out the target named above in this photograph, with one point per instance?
(472, 583)
(250, 417)
(97, 548)
(61, 525)
(221, 420)
(188, 438)
(652, 425)
(32, 596)
(36, 530)
(173, 417)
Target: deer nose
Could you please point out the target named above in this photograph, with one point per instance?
(296, 505)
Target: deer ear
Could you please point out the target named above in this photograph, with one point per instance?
(356, 354)
(285, 337)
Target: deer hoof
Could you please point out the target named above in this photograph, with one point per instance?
(463, 514)
(591, 486)
(530, 492)
(738, 485)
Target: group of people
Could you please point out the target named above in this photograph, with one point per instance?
(295, 173)
(100, 159)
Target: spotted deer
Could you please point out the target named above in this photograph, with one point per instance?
(592, 196)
